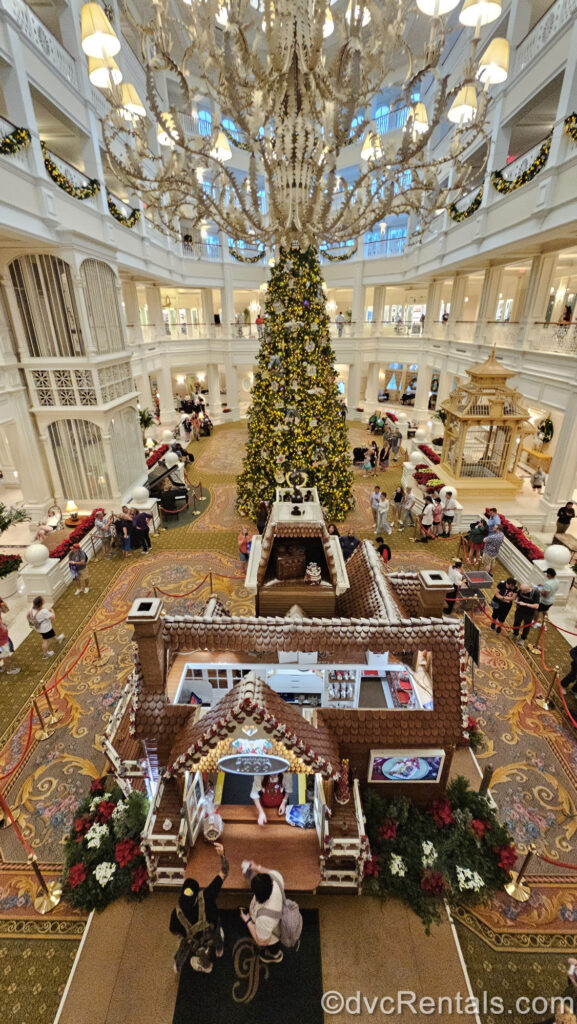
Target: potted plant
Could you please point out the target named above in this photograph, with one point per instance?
(10, 564)
(146, 420)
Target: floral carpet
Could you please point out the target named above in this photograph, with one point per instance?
(534, 752)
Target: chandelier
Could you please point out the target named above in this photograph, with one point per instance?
(297, 79)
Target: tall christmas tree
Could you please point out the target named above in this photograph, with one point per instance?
(296, 420)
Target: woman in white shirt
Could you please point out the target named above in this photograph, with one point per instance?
(427, 522)
(456, 577)
(383, 514)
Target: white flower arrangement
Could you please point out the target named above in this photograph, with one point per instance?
(429, 855)
(97, 800)
(95, 835)
(104, 872)
(468, 879)
(397, 865)
(118, 812)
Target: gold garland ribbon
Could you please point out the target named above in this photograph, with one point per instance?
(504, 186)
(11, 143)
(459, 215)
(570, 126)
(126, 221)
(60, 179)
(245, 259)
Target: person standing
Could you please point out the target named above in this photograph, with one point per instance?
(570, 679)
(244, 542)
(340, 321)
(6, 650)
(264, 914)
(268, 792)
(349, 544)
(261, 516)
(157, 409)
(397, 503)
(475, 538)
(409, 502)
(103, 527)
(141, 531)
(491, 548)
(383, 514)
(396, 444)
(195, 425)
(449, 509)
(548, 591)
(527, 604)
(456, 577)
(503, 598)
(538, 480)
(564, 517)
(493, 519)
(385, 456)
(196, 921)
(78, 564)
(42, 620)
(123, 527)
(375, 500)
(437, 516)
(426, 522)
(259, 325)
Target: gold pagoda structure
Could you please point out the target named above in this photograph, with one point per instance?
(486, 422)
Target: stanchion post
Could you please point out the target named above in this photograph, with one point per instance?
(486, 780)
(42, 733)
(50, 892)
(517, 888)
(8, 816)
(96, 644)
(544, 702)
(210, 580)
(55, 715)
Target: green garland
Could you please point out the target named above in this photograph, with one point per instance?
(338, 259)
(235, 142)
(18, 139)
(245, 259)
(503, 185)
(459, 215)
(570, 126)
(546, 430)
(60, 179)
(127, 222)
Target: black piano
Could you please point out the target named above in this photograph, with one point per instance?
(171, 497)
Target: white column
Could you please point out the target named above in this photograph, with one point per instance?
(28, 458)
(379, 303)
(422, 394)
(358, 303)
(433, 303)
(445, 386)
(567, 95)
(562, 478)
(132, 312)
(59, 497)
(537, 294)
(19, 105)
(488, 301)
(214, 402)
(232, 392)
(458, 292)
(154, 303)
(207, 307)
(165, 391)
(227, 299)
(115, 495)
(354, 391)
(372, 388)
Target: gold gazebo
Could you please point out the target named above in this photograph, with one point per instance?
(485, 424)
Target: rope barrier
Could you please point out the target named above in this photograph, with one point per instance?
(16, 827)
(557, 863)
(188, 593)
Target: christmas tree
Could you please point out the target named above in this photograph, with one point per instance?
(296, 421)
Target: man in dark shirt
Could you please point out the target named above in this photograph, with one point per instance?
(564, 517)
(140, 531)
(527, 605)
(568, 681)
(348, 544)
(196, 920)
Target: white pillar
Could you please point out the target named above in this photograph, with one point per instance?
(354, 391)
(214, 402)
(232, 391)
(488, 301)
(372, 388)
(207, 307)
(537, 294)
(227, 299)
(154, 303)
(358, 303)
(132, 312)
(562, 477)
(423, 391)
(433, 303)
(379, 303)
(445, 386)
(165, 391)
(115, 495)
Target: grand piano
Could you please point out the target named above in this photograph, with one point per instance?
(170, 498)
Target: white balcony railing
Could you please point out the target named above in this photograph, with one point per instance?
(36, 33)
(74, 175)
(385, 247)
(392, 121)
(557, 17)
(560, 338)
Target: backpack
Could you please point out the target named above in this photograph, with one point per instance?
(31, 620)
(187, 426)
(291, 921)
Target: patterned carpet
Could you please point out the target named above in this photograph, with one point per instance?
(534, 752)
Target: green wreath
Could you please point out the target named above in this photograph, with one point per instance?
(546, 430)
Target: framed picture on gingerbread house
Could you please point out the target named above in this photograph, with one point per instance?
(406, 765)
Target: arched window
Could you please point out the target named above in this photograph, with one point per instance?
(80, 459)
(45, 296)
(204, 122)
(101, 295)
(231, 128)
(382, 118)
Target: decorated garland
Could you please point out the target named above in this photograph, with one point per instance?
(503, 185)
(16, 140)
(459, 215)
(76, 191)
(235, 142)
(338, 259)
(546, 430)
(127, 222)
(245, 259)
(570, 126)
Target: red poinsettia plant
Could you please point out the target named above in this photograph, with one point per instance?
(103, 857)
(80, 531)
(431, 455)
(156, 455)
(391, 416)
